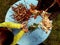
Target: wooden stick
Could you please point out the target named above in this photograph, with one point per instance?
(51, 5)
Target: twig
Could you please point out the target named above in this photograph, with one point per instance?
(51, 5)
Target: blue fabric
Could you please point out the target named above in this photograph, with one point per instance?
(37, 36)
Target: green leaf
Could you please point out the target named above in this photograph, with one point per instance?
(33, 27)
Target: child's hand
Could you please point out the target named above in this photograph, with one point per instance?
(25, 29)
(24, 24)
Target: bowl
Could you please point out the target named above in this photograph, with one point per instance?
(38, 35)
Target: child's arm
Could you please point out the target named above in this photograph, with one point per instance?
(18, 36)
(11, 25)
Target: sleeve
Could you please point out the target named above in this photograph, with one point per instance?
(10, 25)
(17, 37)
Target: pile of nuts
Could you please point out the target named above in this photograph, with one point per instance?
(21, 14)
